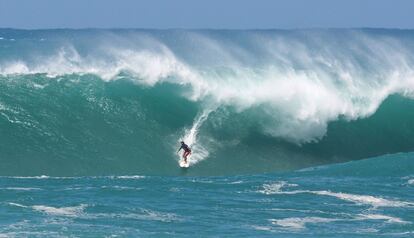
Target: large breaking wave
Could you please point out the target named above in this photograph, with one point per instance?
(82, 102)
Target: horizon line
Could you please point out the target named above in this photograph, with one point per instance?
(207, 28)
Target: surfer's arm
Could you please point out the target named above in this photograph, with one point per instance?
(179, 149)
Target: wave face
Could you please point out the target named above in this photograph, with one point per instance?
(96, 102)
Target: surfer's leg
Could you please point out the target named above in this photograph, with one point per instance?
(185, 155)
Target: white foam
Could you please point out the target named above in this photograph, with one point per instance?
(237, 182)
(365, 199)
(21, 188)
(148, 67)
(389, 219)
(61, 211)
(367, 230)
(81, 177)
(17, 204)
(144, 214)
(57, 211)
(160, 216)
(30, 234)
(299, 88)
(411, 181)
(198, 150)
(276, 188)
(261, 228)
(129, 177)
(17, 67)
(30, 177)
(202, 180)
(39, 86)
(300, 222)
(116, 187)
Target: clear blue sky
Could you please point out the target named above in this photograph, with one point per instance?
(223, 14)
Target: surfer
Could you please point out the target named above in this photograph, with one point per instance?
(187, 150)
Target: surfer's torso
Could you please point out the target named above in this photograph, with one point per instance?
(185, 148)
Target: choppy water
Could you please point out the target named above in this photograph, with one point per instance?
(358, 199)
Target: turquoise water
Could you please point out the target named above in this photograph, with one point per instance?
(358, 199)
(294, 133)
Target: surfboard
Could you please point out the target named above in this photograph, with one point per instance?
(184, 164)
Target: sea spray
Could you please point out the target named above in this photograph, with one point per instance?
(199, 152)
(302, 79)
(122, 98)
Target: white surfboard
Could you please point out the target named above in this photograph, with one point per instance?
(184, 164)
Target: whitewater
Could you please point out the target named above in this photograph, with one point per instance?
(293, 132)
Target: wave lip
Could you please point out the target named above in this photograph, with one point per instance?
(301, 85)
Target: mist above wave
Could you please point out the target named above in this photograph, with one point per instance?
(299, 80)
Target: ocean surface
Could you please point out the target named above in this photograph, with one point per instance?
(294, 133)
